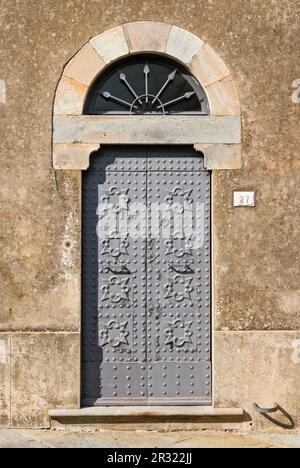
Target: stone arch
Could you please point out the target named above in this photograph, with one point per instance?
(76, 135)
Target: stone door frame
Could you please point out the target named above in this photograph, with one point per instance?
(218, 136)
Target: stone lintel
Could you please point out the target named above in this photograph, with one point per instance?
(147, 130)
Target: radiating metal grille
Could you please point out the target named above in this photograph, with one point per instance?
(147, 84)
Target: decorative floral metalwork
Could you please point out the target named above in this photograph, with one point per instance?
(114, 198)
(178, 333)
(173, 195)
(179, 247)
(114, 247)
(179, 288)
(116, 290)
(114, 334)
(179, 200)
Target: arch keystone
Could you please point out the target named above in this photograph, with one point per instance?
(147, 36)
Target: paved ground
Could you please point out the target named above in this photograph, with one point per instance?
(60, 439)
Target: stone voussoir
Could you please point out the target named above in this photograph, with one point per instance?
(208, 67)
(111, 44)
(70, 96)
(183, 45)
(223, 97)
(85, 66)
(147, 36)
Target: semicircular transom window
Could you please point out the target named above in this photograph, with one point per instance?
(146, 84)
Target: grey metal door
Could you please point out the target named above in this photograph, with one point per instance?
(146, 277)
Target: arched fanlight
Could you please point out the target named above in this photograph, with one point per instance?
(146, 84)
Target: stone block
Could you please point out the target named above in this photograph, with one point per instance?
(2, 92)
(221, 156)
(258, 367)
(208, 67)
(111, 44)
(4, 379)
(147, 36)
(223, 97)
(145, 130)
(41, 270)
(73, 157)
(45, 374)
(85, 66)
(183, 45)
(256, 264)
(70, 96)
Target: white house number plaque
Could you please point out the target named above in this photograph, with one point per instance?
(246, 199)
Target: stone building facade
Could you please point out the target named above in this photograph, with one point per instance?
(245, 57)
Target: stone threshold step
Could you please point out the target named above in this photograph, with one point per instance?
(147, 411)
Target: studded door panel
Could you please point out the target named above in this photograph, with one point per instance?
(146, 299)
(174, 158)
(178, 279)
(114, 340)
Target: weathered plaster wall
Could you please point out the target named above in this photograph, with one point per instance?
(256, 285)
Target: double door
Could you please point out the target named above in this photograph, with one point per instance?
(146, 277)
